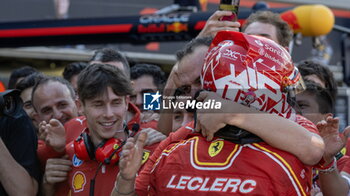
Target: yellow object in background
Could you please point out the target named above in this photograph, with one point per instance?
(310, 20)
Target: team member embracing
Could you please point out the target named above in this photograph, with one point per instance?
(256, 82)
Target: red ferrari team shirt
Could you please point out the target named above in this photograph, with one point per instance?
(196, 166)
(79, 178)
(82, 172)
(193, 166)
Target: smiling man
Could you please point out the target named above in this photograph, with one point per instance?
(104, 97)
(53, 98)
(104, 101)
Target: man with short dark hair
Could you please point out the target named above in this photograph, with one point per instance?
(104, 92)
(112, 57)
(145, 78)
(184, 75)
(71, 72)
(320, 74)
(189, 62)
(18, 74)
(26, 86)
(53, 98)
(315, 103)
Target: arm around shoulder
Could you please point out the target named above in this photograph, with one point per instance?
(282, 133)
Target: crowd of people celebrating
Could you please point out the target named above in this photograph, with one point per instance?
(87, 132)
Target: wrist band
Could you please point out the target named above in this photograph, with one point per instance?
(329, 168)
(116, 189)
(321, 165)
(119, 193)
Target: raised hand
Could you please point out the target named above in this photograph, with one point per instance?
(153, 136)
(130, 161)
(41, 130)
(55, 135)
(215, 24)
(334, 141)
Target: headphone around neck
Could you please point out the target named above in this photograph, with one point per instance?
(107, 152)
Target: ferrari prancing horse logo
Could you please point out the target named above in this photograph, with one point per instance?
(145, 156)
(215, 147)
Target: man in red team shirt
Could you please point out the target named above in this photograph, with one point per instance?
(104, 97)
(257, 73)
(57, 139)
